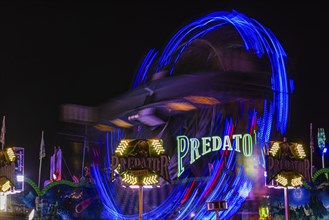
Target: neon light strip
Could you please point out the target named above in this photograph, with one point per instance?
(144, 68)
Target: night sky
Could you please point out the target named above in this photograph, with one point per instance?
(69, 52)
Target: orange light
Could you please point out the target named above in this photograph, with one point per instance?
(105, 128)
(121, 123)
(180, 106)
(203, 100)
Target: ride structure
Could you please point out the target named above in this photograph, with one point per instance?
(215, 94)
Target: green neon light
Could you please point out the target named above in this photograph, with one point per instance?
(52, 184)
(321, 138)
(197, 148)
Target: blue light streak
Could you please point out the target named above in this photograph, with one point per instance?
(141, 77)
(229, 181)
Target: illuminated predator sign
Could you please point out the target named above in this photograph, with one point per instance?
(287, 163)
(140, 161)
(197, 148)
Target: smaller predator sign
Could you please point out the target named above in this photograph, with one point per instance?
(140, 161)
(287, 163)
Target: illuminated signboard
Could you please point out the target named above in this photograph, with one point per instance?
(197, 148)
(287, 163)
(140, 162)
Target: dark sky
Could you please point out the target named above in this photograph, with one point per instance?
(69, 52)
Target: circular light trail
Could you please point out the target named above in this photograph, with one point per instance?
(190, 196)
